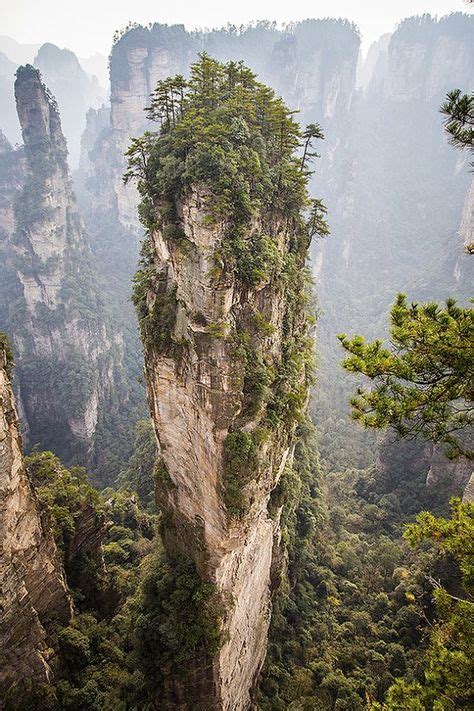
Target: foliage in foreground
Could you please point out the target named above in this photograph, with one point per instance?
(137, 617)
(350, 616)
(459, 123)
(423, 383)
(448, 679)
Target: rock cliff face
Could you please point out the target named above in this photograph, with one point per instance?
(196, 395)
(74, 90)
(8, 119)
(115, 243)
(396, 207)
(423, 461)
(392, 209)
(463, 241)
(33, 584)
(452, 473)
(220, 457)
(310, 64)
(50, 303)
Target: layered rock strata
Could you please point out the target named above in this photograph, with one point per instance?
(33, 586)
(221, 457)
(50, 305)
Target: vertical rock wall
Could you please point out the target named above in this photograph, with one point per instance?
(204, 404)
(394, 208)
(33, 588)
(51, 304)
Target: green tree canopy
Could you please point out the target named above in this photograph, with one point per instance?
(459, 123)
(449, 670)
(423, 383)
(225, 130)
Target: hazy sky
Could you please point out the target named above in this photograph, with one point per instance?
(87, 26)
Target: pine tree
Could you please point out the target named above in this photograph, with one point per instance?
(312, 132)
(424, 383)
(459, 124)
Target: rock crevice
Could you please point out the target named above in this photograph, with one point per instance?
(33, 584)
(202, 402)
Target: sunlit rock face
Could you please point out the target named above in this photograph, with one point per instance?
(33, 587)
(198, 394)
(50, 304)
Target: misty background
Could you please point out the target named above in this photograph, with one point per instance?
(397, 194)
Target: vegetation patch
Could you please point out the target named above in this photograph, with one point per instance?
(62, 492)
(224, 131)
(176, 613)
(241, 462)
(6, 348)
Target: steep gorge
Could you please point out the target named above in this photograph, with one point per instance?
(33, 584)
(221, 301)
(399, 209)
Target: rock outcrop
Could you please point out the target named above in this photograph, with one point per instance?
(463, 243)
(453, 473)
(221, 298)
(423, 462)
(468, 495)
(8, 117)
(198, 402)
(33, 585)
(311, 64)
(75, 91)
(50, 305)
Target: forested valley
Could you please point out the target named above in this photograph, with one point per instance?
(236, 371)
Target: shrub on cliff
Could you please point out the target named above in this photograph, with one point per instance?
(175, 613)
(226, 131)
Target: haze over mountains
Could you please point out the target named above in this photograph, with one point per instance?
(77, 85)
(227, 532)
(383, 203)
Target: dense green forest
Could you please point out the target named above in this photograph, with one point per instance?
(368, 612)
(372, 599)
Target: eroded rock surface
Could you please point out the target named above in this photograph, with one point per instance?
(33, 585)
(67, 358)
(201, 397)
